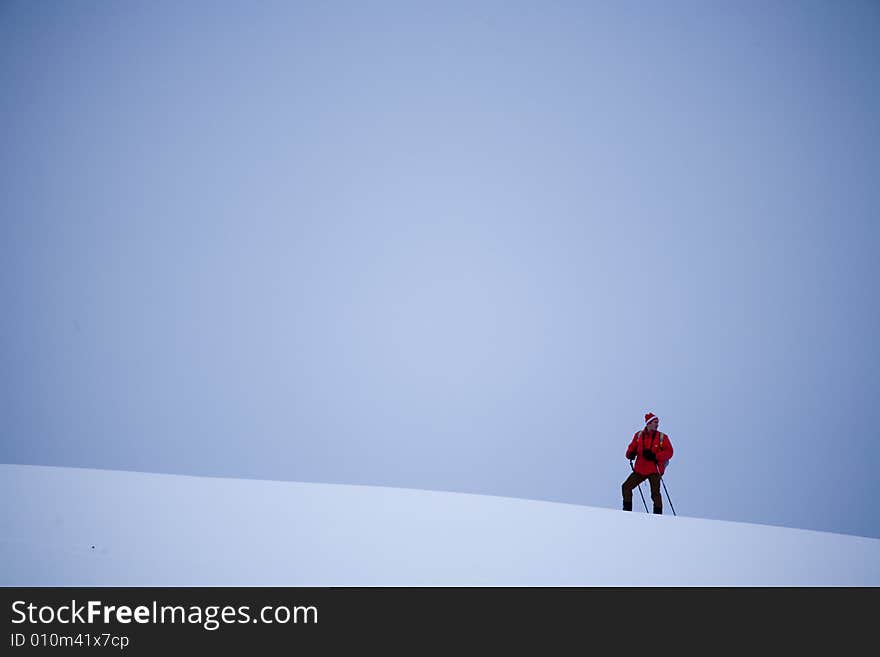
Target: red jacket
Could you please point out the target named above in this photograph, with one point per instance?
(657, 442)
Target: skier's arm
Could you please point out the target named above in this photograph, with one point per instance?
(664, 451)
(633, 447)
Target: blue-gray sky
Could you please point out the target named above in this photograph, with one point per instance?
(461, 246)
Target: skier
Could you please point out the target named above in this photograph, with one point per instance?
(652, 450)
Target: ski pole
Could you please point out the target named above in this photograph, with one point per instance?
(667, 495)
(640, 489)
(666, 489)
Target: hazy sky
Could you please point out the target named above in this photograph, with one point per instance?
(461, 246)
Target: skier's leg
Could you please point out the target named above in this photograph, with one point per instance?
(627, 488)
(654, 479)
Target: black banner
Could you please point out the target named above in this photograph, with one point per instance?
(134, 621)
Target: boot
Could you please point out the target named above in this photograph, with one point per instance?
(658, 510)
(627, 506)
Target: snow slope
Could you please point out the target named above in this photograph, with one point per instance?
(81, 527)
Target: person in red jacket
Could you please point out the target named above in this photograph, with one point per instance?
(652, 450)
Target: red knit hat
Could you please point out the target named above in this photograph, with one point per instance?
(650, 417)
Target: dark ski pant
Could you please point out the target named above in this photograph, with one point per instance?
(634, 480)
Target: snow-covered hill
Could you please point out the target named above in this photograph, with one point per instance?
(81, 527)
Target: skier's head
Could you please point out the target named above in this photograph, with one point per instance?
(651, 421)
